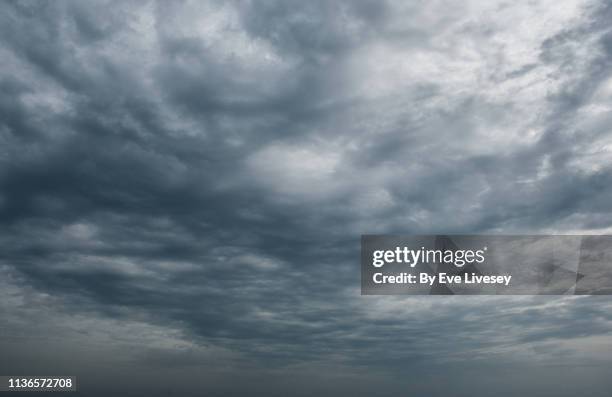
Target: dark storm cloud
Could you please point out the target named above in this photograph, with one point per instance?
(199, 174)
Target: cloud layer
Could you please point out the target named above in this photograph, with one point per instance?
(185, 184)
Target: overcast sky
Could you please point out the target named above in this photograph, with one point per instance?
(183, 186)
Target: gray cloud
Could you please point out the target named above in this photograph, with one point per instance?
(185, 184)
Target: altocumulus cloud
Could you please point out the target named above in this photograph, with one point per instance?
(183, 186)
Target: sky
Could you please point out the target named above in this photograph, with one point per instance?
(183, 186)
